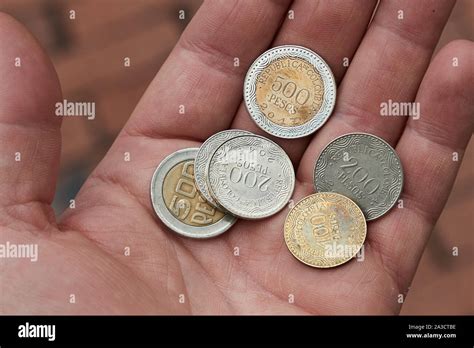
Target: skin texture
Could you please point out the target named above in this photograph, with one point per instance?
(82, 253)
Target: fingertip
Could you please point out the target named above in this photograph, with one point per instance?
(30, 86)
(453, 68)
(446, 93)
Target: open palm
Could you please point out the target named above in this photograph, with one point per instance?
(84, 253)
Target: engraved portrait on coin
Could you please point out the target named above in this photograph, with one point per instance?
(251, 177)
(364, 168)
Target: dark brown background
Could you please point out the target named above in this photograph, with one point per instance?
(88, 54)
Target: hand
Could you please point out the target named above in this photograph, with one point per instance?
(83, 252)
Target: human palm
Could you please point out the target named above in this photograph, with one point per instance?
(115, 256)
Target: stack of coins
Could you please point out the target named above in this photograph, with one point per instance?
(201, 192)
(289, 92)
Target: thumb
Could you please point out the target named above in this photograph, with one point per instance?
(29, 130)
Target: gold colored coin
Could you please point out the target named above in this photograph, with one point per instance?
(325, 230)
(289, 91)
(183, 199)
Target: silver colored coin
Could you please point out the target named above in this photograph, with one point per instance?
(251, 177)
(290, 91)
(364, 168)
(177, 202)
(204, 155)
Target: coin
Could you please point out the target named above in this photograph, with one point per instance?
(364, 168)
(251, 176)
(290, 91)
(325, 230)
(204, 155)
(177, 202)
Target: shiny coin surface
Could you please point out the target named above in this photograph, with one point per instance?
(364, 168)
(204, 155)
(251, 177)
(325, 230)
(289, 91)
(177, 202)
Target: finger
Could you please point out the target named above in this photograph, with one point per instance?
(200, 76)
(198, 89)
(388, 65)
(426, 149)
(29, 129)
(333, 29)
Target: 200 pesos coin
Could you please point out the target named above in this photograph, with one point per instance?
(325, 230)
(290, 91)
(364, 168)
(251, 177)
(204, 155)
(177, 202)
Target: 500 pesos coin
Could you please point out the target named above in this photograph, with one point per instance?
(177, 202)
(251, 177)
(325, 230)
(290, 91)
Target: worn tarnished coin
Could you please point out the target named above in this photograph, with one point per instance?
(204, 155)
(177, 202)
(290, 91)
(325, 230)
(364, 168)
(250, 176)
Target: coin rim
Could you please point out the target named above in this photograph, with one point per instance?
(318, 266)
(316, 121)
(238, 213)
(201, 185)
(394, 152)
(163, 212)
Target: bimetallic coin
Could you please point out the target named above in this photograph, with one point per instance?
(204, 155)
(364, 168)
(290, 91)
(177, 202)
(325, 230)
(250, 176)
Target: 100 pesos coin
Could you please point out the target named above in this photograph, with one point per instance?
(290, 91)
(325, 230)
(177, 202)
(251, 177)
(364, 168)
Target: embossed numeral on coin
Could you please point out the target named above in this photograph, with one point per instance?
(249, 179)
(365, 180)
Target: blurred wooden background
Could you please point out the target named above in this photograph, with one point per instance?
(88, 53)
